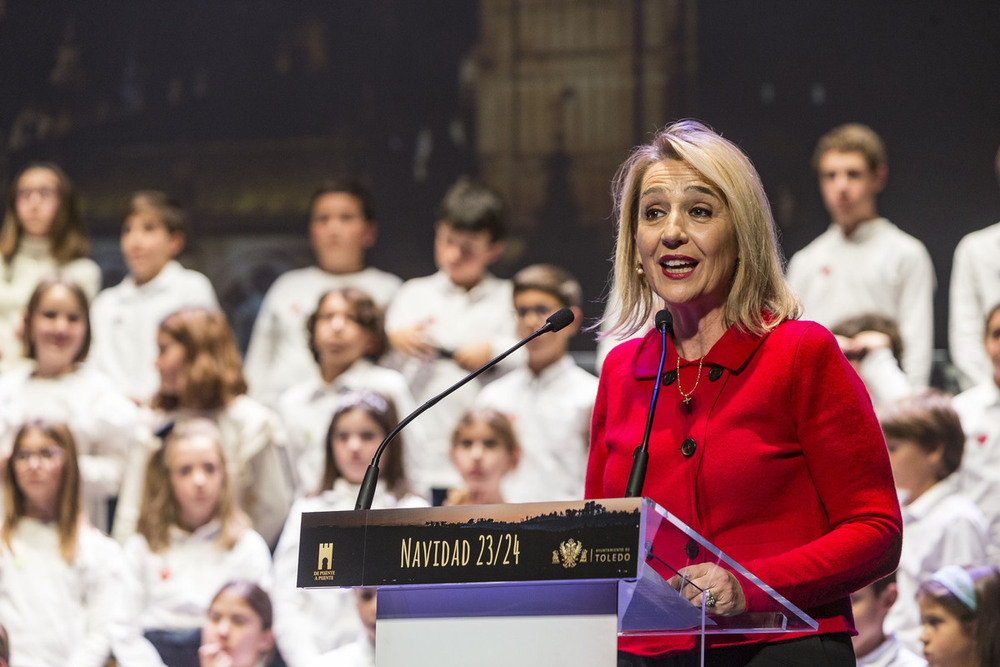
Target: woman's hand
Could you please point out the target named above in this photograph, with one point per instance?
(725, 588)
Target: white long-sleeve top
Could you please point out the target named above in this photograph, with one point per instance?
(278, 355)
(306, 409)
(979, 474)
(974, 291)
(941, 527)
(254, 447)
(177, 584)
(878, 269)
(551, 416)
(59, 613)
(455, 318)
(105, 425)
(124, 320)
(309, 622)
(32, 264)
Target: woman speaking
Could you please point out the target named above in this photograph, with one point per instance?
(764, 439)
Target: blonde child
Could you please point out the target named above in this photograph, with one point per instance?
(484, 448)
(56, 385)
(191, 539)
(311, 622)
(346, 337)
(62, 582)
(41, 233)
(960, 617)
(200, 375)
(237, 631)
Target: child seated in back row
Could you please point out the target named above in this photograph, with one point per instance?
(125, 317)
(447, 324)
(347, 337)
(940, 525)
(872, 646)
(550, 398)
(342, 227)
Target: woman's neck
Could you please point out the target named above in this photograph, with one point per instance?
(39, 513)
(695, 333)
(330, 372)
(52, 371)
(490, 496)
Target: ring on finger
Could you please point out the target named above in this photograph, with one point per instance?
(709, 598)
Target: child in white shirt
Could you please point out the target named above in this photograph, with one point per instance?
(549, 399)
(41, 233)
(940, 525)
(447, 324)
(191, 539)
(125, 317)
(342, 227)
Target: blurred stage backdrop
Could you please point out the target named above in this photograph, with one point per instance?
(239, 108)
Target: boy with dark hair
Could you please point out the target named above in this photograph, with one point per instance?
(872, 646)
(447, 324)
(941, 526)
(549, 399)
(864, 263)
(342, 227)
(125, 318)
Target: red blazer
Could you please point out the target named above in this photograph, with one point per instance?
(789, 473)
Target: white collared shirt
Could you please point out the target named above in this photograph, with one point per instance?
(941, 527)
(178, 584)
(973, 292)
(278, 355)
(551, 415)
(32, 264)
(891, 654)
(455, 318)
(979, 474)
(306, 410)
(125, 318)
(878, 269)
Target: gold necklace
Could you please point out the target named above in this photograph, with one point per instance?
(687, 396)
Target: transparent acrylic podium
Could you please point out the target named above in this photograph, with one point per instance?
(526, 584)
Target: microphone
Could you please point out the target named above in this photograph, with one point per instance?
(556, 321)
(641, 454)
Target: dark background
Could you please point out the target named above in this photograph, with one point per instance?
(148, 94)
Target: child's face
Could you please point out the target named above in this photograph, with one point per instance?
(481, 457)
(914, 469)
(37, 200)
(367, 609)
(869, 611)
(463, 255)
(849, 187)
(170, 362)
(354, 440)
(236, 631)
(147, 245)
(58, 328)
(38, 470)
(945, 642)
(196, 477)
(533, 307)
(993, 344)
(339, 339)
(339, 233)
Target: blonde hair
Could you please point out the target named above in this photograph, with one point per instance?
(213, 375)
(759, 298)
(68, 503)
(159, 509)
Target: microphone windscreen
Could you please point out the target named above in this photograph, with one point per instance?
(560, 319)
(663, 320)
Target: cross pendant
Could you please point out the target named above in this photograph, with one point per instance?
(687, 400)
